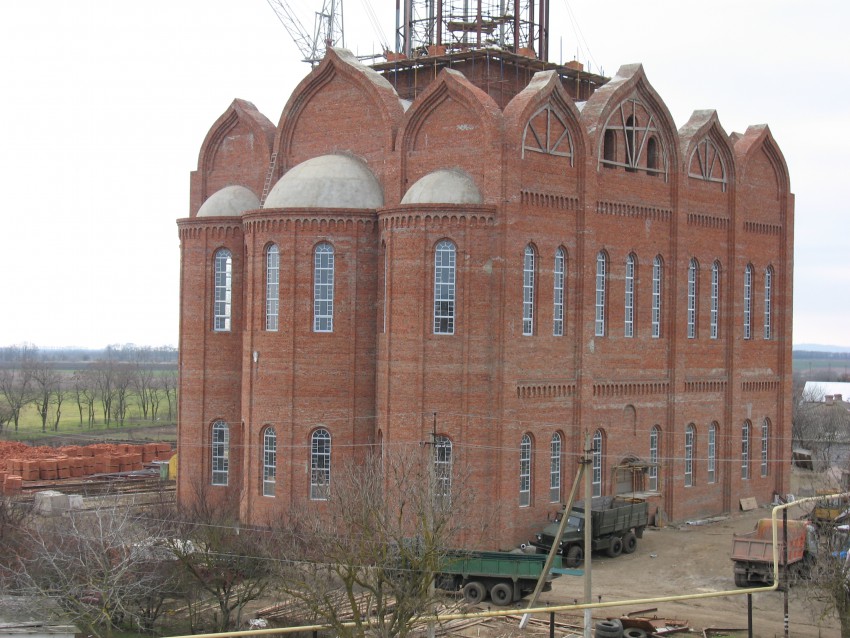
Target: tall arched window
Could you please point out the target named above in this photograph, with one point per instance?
(443, 469)
(657, 273)
(714, 316)
(629, 301)
(712, 453)
(555, 469)
(444, 288)
(528, 265)
(323, 288)
(654, 437)
(525, 471)
(601, 278)
(745, 450)
(765, 447)
(220, 452)
(768, 293)
(269, 461)
(272, 286)
(558, 296)
(223, 290)
(693, 276)
(320, 465)
(690, 435)
(597, 463)
(748, 301)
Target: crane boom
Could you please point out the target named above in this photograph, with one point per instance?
(327, 31)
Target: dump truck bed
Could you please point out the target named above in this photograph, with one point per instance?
(757, 546)
(496, 564)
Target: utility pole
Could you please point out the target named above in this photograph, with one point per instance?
(588, 509)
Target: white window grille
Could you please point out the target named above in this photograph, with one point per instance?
(768, 293)
(653, 458)
(320, 465)
(745, 450)
(444, 288)
(555, 469)
(601, 273)
(525, 471)
(272, 287)
(597, 463)
(714, 316)
(269, 461)
(748, 301)
(220, 452)
(765, 447)
(223, 290)
(693, 272)
(712, 452)
(323, 288)
(657, 272)
(558, 293)
(689, 456)
(443, 470)
(528, 292)
(629, 300)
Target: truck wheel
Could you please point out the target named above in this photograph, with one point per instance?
(575, 556)
(616, 547)
(502, 594)
(629, 543)
(741, 580)
(474, 592)
(609, 629)
(634, 632)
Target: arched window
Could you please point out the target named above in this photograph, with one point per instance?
(323, 288)
(272, 286)
(558, 293)
(652, 156)
(657, 274)
(690, 435)
(223, 290)
(654, 437)
(712, 452)
(596, 481)
(269, 461)
(525, 471)
(630, 131)
(768, 292)
(443, 469)
(555, 469)
(220, 452)
(528, 266)
(748, 301)
(745, 450)
(693, 277)
(320, 465)
(714, 317)
(601, 275)
(444, 288)
(765, 447)
(609, 148)
(629, 301)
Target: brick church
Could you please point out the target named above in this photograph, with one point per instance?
(497, 255)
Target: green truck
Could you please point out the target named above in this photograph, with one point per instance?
(503, 576)
(616, 524)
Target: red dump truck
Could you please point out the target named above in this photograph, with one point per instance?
(752, 553)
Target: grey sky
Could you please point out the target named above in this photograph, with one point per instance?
(105, 106)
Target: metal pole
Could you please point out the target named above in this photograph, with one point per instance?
(588, 508)
(784, 580)
(749, 615)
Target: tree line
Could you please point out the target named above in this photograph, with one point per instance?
(124, 382)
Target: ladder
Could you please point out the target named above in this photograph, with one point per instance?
(269, 176)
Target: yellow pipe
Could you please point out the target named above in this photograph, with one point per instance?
(565, 608)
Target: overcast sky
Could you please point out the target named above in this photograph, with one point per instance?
(105, 104)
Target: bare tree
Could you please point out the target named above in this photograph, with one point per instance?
(232, 564)
(84, 393)
(123, 377)
(829, 581)
(16, 381)
(383, 533)
(103, 375)
(46, 383)
(97, 564)
(820, 426)
(169, 387)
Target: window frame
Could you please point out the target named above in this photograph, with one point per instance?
(555, 452)
(525, 451)
(269, 461)
(596, 465)
(693, 309)
(324, 264)
(220, 453)
(320, 464)
(748, 302)
(711, 466)
(690, 441)
(629, 297)
(445, 287)
(272, 288)
(714, 310)
(745, 451)
(601, 282)
(768, 303)
(223, 290)
(443, 459)
(529, 265)
(765, 448)
(654, 442)
(657, 283)
(559, 292)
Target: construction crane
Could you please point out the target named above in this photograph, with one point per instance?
(327, 28)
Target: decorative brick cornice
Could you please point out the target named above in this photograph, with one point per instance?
(212, 227)
(630, 388)
(313, 219)
(548, 200)
(763, 229)
(546, 390)
(708, 221)
(766, 385)
(705, 385)
(437, 215)
(623, 209)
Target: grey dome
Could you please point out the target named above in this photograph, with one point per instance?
(327, 181)
(228, 202)
(446, 186)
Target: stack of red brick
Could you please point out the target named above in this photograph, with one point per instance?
(20, 463)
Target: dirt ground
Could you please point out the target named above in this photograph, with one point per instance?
(694, 558)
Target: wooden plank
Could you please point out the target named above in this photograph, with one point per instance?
(749, 503)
